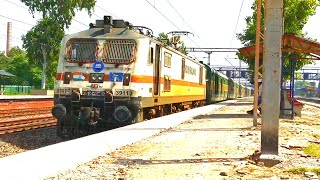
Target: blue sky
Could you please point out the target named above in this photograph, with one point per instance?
(213, 22)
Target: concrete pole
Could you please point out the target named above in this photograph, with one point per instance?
(9, 37)
(271, 77)
(256, 65)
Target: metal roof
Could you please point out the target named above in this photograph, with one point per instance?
(290, 43)
(5, 73)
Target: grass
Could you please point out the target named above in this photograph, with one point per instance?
(313, 150)
(316, 136)
(302, 170)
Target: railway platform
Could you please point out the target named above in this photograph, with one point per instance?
(213, 142)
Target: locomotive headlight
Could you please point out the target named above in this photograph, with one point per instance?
(96, 77)
(126, 79)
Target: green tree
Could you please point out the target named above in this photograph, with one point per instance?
(174, 41)
(58, 10)
(3, 61)
(42, 42)
(25, 72)
(299, 84)
(296, 15)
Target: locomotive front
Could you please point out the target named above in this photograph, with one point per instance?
(92, 90)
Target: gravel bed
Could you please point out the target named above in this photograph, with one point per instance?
(18, 142)
(212, 146)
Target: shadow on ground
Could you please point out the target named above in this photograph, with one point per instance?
(33, 139)
(177, 161)
(222, 116)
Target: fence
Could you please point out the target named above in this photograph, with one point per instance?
(14, 89)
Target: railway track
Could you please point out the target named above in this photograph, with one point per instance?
(28, 123)
(25, 115)
(13, 113)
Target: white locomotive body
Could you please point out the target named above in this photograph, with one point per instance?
(112, 75)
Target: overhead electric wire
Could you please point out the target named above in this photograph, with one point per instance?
(16, 20)
(170, 21)
(16, 4)
(235, 29)
(182, 18)
(106, 11)
(163, 15)
(39, 12)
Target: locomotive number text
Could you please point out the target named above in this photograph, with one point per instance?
(122, 93)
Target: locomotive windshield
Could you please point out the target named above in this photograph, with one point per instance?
(80, 50)
(119, 51)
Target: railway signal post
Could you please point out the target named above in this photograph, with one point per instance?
(271, 80)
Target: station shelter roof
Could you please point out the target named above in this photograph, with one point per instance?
(5, 73)
(290, 43)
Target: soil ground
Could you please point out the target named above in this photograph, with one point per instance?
(217, 145)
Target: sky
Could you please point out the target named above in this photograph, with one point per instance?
(213, 22)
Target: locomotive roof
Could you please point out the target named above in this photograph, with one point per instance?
(119, 29)
(114, 33)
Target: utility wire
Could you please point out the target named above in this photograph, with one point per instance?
(234, 32)
(39, 12)
(16, 20)
(106, 11)
(96, 15)
(182, 18)
(163, 15)
(13, 37)
(235, 29)
(170, 21)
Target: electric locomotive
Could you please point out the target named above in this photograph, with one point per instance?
(114, 74)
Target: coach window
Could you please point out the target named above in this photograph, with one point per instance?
(167, 59)
(201, 75)
(216, 83)
(167, 83)
(183, 68)
(151, 55)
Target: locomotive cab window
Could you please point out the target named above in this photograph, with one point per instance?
(81, 50)
(119, 51)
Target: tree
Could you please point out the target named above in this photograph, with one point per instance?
(3, 61)
(42, 42)
(59, 10)
(174, 41)
(25, 73)
(296, 15)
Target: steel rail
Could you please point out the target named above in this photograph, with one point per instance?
(23, 112)
(25, 121)
(29, 126)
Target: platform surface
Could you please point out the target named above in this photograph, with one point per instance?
(46, 161)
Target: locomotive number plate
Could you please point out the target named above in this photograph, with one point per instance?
(122, 92)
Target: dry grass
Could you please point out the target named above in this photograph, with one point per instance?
(302, 170)
(313, 150)
(317, 136)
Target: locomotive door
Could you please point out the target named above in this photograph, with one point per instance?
(156, 74)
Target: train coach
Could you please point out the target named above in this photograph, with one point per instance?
(114, 74)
